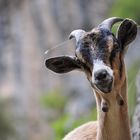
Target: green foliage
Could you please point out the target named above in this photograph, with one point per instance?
(6, 127)
(53, 99)
(126, 9)
(89, 117)
(132, 73)
(60, 125)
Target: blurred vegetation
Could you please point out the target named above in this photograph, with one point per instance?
(7, 130)
(54, 99)
(132, 91)
(63, 123)
(126, 9)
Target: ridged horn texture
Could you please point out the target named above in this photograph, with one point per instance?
(108, 23)
(77, 34)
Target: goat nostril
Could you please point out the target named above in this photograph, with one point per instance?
(100, 75)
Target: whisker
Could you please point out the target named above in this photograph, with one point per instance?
(57, 46)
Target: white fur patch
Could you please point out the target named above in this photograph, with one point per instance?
(100, 65)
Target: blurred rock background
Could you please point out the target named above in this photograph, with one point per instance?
(35, 103)
(136, 117)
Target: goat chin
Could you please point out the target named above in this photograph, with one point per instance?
(87, 131)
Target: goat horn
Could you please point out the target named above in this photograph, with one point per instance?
(108, 23)
(77, 34)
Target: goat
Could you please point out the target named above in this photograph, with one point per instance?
(100, 55)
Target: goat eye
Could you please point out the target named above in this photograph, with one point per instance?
(86, 44)
(115, 44)
(92, 35)
(116, 49)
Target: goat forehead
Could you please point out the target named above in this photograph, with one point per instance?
(95, 45)
(100, 39)
(102, 48)
(105, 41)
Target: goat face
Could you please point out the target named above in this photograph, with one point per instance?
(99, 53)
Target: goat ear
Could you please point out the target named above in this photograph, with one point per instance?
(127, 32)
(62, 64)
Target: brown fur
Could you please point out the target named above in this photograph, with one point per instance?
(87, 131)
(113, 125)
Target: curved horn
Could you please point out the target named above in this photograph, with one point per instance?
(108, 23)
(77, 34)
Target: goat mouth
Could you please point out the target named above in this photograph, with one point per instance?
(103, 87)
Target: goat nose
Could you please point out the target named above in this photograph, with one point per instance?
(100, 75)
